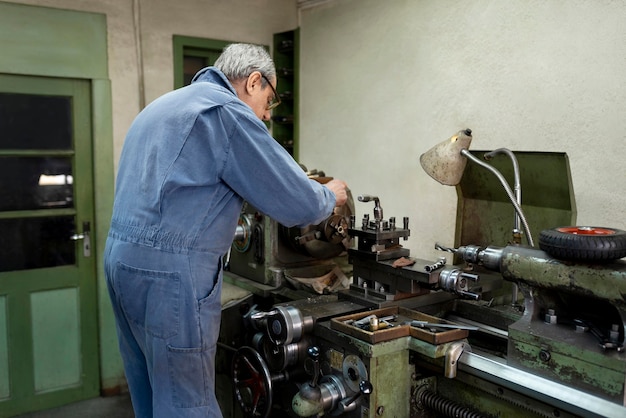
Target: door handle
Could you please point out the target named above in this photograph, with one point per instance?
(85, 238)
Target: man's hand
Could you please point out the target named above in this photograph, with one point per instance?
(339, 188)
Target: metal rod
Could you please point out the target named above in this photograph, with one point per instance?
(435, 402)
(517, 188)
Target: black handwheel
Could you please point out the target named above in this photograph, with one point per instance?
(584, 243)
(252, 383)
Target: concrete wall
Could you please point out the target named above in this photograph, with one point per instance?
(382, 82)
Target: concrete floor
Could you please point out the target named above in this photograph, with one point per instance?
(103, 407)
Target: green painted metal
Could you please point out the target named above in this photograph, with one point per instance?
(485, 215)
(573, 291)
(389, 375)
(52, 42)
(391, 379)
(604, 282)
(577, 364)
(5, 390)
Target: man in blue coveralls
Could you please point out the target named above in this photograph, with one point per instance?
(189, 161)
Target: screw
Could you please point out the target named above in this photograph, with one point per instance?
(544, 355)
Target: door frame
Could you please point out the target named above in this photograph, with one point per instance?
(70, 289)
(53, 42)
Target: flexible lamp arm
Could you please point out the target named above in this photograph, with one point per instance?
(507, 189)
(517, 186)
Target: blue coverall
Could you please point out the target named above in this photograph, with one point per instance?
(189, 161)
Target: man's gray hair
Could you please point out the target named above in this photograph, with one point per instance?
(238, 61)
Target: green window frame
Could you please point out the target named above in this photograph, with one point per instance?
(191, 54)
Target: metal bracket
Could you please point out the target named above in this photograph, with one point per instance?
(453, 353)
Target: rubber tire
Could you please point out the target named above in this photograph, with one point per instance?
(564, 244)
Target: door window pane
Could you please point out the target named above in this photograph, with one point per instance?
(29, 121)
(29, 243)
(28, 183)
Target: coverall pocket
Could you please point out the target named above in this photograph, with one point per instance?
(189, 376)
(150, 299)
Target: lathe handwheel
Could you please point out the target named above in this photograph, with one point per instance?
(252, 383)
(584, 243)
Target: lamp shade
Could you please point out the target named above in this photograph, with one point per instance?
(444, 161)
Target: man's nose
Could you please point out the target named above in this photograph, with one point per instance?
(267, 115)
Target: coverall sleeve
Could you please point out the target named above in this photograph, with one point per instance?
(263, 173)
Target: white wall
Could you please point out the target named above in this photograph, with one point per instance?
(383, 81)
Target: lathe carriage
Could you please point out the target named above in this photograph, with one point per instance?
(492, 328)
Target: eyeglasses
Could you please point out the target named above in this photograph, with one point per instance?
(275, 100)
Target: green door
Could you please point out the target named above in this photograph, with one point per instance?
(48, 305)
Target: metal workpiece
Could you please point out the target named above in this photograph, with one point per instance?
(436, 265)
(335, 230)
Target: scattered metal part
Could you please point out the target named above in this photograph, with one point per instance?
(435, 325)
(438, 264)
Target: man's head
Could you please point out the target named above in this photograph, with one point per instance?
(251, 71)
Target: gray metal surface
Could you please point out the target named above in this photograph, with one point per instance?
(566, 398)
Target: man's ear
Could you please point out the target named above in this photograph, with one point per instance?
(254, 82)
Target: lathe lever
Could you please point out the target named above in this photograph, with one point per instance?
(378, 210)
(349, 404)
(314, 355)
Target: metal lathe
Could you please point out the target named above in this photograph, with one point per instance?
(338, 319)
